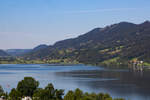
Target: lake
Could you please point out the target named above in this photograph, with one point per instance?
(116, 82)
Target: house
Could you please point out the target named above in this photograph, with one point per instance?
(26, 98)
(2, 98)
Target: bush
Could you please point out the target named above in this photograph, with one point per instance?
(29, 87)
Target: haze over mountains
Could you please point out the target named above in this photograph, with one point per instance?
(119, 42)
(21, 52)
(17, 52)
(3, 53)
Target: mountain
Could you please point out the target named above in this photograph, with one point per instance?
(21, 52)
(3, 53)
(117, 43)
(39, 47)
(17, 52)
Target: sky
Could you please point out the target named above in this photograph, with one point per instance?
(27, 23)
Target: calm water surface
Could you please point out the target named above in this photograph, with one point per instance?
(117, 82)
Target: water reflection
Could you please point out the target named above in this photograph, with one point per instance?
(117, 82)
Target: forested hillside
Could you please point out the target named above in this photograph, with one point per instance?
(115, 44)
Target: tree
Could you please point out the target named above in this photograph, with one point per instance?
(78, 94)
(87, 98)
(100, 96)
(1, 90)
(14, 95)
(69, 96)
(37, 94)
(27, 86)
(106, 96)
(119, 99)
(59, 94)
(49, 93)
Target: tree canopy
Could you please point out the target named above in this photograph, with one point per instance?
(27, 86)
(1, 90)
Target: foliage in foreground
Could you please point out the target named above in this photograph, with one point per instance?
(29, 87)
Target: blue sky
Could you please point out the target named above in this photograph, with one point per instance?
(28, 23)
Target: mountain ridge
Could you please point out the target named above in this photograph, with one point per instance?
(115, 44)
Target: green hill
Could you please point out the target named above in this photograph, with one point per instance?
(112, 45)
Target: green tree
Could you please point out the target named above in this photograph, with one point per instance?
(100, 96)
(78, 94)
(118, 99)
(37, 94)
(93, 96)
(59, 94)
(87, 98)
(49, 93)
(1, 91)
(106, 96)
(27, 86)
(69, 96)
(109, 98)
(14, 95)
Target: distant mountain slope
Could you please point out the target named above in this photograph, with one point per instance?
(17, 52)
(21, 52)
(3, 53)
(42, 46)
(37, 50)
(118, 42)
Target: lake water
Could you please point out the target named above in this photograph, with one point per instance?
(116, 82)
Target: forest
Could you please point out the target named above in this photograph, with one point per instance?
(29, 87)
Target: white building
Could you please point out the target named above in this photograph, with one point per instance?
(2, 98)
(26, 98)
